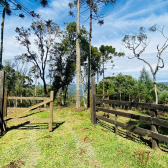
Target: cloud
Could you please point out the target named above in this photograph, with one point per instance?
(126, 19)
(57, 11)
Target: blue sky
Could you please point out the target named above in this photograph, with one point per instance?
(126, 19)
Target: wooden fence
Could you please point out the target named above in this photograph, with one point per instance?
(105, 96)
(152, 120)
(22, 110)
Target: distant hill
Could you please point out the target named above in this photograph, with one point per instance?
(72, 89)
(165, 83)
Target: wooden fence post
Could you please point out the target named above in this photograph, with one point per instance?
(93, 101)
(116, 127)
(51, 110)
(5, 107)
(90, 104)
(2, 81)
(108, 98)
(154, 129)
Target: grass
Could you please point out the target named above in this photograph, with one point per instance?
(74, 142)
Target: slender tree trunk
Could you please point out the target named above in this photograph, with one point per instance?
(89, 58)
(21, 96)
(2, 33)
(83, 93)
(65, 95)
(97, 76)
(129, 97)
(35, 89)
(103, 76)
(120, 100)
(139, 98)
(156, 95)
(78, 57)
(45, 86)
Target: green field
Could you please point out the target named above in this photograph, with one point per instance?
(74, 142)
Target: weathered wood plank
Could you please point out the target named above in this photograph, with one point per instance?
(27, 98)
(5, 108)
(28, 109)
(150, 120)
(124, 114)
(51, 110)
(31, 119)
(100, 95)
(131, 128)
(154, 129)
(137, 105)
(136, 130)
(9, 109)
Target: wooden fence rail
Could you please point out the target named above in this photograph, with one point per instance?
(22, 110)
(152, 120)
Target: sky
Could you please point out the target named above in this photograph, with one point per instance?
(126, 19)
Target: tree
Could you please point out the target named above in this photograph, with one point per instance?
(10, 76)
(12, 5)
(46, 33)
(163, 97)
(63, 58)
(107, 53)
(35, 72)
(94, 6)
(78, 68)
(130, 82)
(95, 62)
(138, 44)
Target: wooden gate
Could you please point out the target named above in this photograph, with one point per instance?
(23, 110)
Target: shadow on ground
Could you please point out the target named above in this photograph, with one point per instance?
(30, 125)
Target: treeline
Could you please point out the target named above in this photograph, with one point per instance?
(19, 82)
(127, 88)
(47, 59)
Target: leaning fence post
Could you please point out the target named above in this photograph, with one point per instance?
(154, 129)
(93, 101)
(51, 110)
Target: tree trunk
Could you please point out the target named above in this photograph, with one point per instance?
(129, 97)
(21, 96)
(65, 95)
(120, 100)
(83, 93)
(103, 79)
(45, 87)
(139, 98)
(2, 33)
(97, 76)
(62, 96)
(89, 58)
(78, 57)
(156, 95)
(35, 90)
